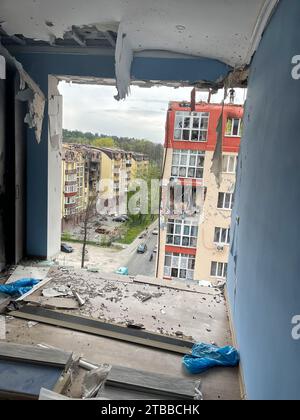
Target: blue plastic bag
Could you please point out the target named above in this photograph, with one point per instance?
(19, 287)
(206, 356)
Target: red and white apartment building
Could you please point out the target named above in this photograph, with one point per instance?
(194, 245)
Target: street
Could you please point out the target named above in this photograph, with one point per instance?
(110, 259)
(140, 263)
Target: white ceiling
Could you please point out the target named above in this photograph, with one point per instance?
(228, 30)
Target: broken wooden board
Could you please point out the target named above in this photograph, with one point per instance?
(104, 329)
(141, 381)
(34, 289)
(177, 285)
(35, 355)
(52, 303)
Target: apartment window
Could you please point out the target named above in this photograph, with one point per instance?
(218, 270)
(70, 212)
(229, 164)
(70, 200)
(181, 233)
(191, 126)
(188, 164)
(179, 266)
(225, 201)
(234, 127)
(71, 178)
(71, 188)
(222, 236)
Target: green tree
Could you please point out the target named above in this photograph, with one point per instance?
(104, 142)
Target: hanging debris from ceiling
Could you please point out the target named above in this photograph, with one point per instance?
(123, 62)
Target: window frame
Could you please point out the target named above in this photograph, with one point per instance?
(180, 233)
(224, 201)
(180, 119)
(220, 234)
(188, 154)
(176, 264)
(228, 157)
(217, 265)
(230, 134)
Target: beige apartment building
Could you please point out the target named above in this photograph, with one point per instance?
(75, 188)
(195, 221)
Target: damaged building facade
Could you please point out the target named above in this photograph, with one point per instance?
(195, 221)
(204, 48)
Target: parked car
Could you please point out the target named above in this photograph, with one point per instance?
(123, 271)
(66, 248)
(142, 248)
(124, 216)
(155, 232)
(155, 249)
(119, 219)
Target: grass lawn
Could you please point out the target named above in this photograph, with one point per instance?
(134, 230)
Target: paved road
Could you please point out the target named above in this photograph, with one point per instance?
(139, 263)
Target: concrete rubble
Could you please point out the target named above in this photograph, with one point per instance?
(121, 300)
(195, 313)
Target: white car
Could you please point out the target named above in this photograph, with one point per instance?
(155, 232)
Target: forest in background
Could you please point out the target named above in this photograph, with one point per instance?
(154, 151)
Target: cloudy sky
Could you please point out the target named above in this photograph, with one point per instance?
(142, 115)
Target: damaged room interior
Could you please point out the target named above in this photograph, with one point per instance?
(149, 200)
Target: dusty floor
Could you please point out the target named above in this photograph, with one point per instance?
(200, 316)
(168, 311)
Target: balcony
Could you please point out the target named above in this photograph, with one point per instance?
(70, 172)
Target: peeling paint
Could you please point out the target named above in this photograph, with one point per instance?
(36, 101)
(35, 116)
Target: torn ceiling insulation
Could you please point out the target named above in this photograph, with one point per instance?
(215, 29)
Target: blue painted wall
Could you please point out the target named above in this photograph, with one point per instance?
(40, 65)
(264, 281)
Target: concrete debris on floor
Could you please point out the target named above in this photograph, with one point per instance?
(184, 314)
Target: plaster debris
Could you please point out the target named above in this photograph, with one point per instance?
(31, 324)
(94, 381)
(55, 292)
(36, 104)
(123, 61)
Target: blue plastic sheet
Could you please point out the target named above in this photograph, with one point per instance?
(206, 356)
(19, 287)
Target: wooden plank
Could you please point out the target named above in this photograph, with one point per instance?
(99, 328)
(34, 355)
(52, 303)
(158, 384)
